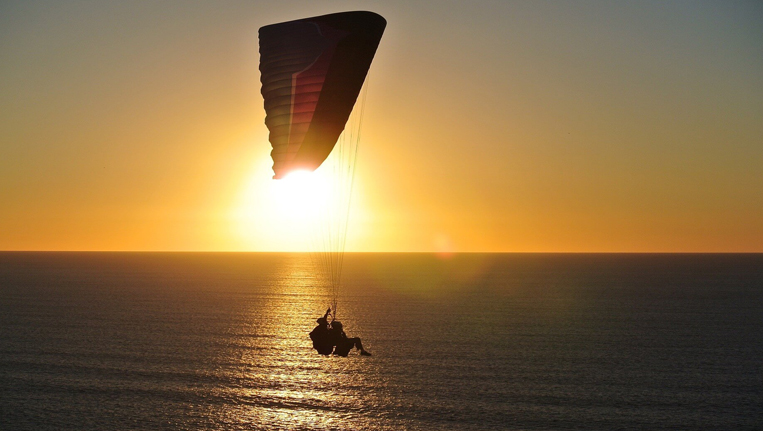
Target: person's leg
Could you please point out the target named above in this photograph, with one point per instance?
(356, 342)
(359, 345)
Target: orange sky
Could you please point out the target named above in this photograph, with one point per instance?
(489, 126)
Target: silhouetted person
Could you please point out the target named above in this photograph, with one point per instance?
(342, 343)
(322, 341)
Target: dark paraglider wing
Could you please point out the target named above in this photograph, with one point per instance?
(312, 71)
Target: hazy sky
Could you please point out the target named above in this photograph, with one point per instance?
(489, 126)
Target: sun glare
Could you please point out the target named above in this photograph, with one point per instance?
(301, 193)
(287, 214)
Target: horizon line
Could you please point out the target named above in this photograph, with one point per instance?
(379, 252)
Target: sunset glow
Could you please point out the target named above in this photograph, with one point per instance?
(290, 213)
(512, 126)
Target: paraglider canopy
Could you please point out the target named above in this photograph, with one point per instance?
(312, 71)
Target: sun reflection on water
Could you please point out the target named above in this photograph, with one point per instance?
(281, 382)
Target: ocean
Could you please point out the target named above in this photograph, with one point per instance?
(219, 341)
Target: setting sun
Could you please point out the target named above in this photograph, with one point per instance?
(301, 194)
(299, 212)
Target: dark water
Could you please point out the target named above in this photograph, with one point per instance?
(472, 342)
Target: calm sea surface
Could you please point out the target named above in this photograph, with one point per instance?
(117, 341)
